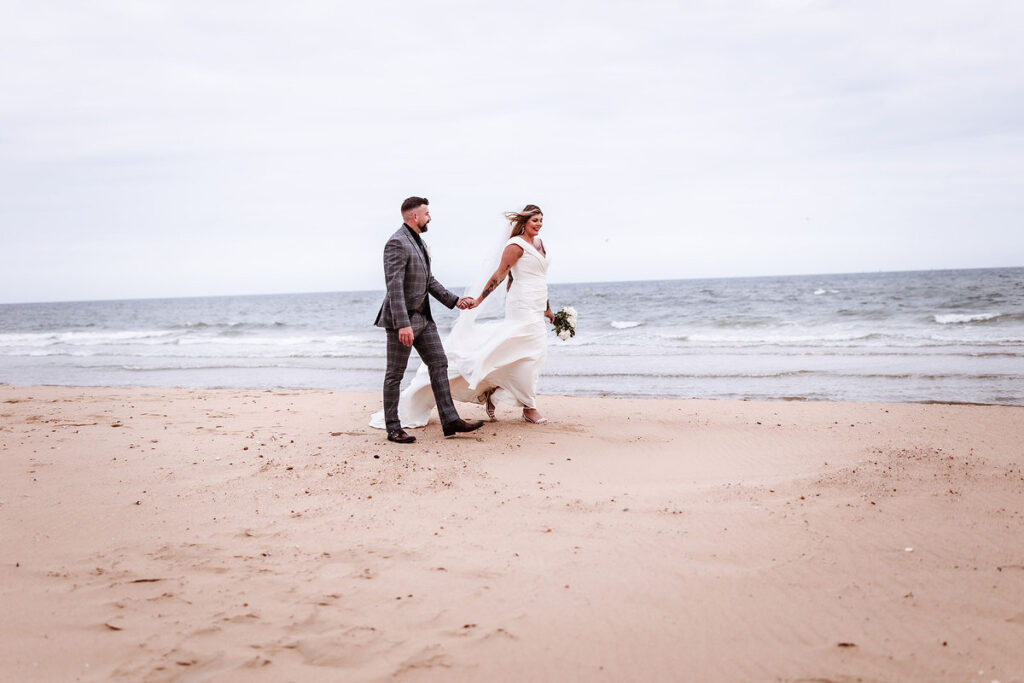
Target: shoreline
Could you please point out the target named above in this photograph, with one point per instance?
(162, 533)
(611, 397)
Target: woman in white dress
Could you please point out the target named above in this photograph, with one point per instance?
(496, 361)
(508, 371)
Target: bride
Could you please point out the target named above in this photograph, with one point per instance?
(496, 361)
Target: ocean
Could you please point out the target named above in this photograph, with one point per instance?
(930, 336)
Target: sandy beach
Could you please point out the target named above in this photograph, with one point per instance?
(170, 534)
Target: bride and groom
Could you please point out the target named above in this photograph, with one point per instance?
(481, 361)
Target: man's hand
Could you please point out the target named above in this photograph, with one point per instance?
(466, 302)
(405, 336)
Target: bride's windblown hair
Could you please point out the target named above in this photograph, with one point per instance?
(518, 218)
(518, 221)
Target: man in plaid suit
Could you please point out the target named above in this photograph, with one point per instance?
(405, 316)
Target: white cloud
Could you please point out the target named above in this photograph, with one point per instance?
(143, 141)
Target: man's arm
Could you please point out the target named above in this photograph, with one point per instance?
(441, 294)
(395, 257)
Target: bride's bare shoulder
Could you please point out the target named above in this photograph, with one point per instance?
(512, 252)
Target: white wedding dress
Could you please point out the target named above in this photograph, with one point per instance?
(503, 356)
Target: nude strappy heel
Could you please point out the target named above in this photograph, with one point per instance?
(541, 421)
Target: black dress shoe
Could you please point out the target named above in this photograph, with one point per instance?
(453, 428)
(399, 436)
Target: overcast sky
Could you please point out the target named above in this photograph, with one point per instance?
(182, 148)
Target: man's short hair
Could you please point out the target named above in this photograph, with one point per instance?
(413, 203)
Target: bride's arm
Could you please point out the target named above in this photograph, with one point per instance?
(508, 258)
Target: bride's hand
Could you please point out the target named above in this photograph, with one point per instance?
(550, 316)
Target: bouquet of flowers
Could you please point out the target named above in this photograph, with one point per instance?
(565, 323)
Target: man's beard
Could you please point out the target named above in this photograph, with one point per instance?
(423, 228)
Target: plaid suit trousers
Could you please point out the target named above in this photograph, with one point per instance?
(427, 343)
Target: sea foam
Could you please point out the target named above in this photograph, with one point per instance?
(959, 318)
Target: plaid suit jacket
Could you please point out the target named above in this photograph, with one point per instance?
(408, 279)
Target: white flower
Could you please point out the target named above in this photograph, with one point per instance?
(563, 335)
(570, 315)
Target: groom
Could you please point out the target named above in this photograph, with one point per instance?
(405, 315)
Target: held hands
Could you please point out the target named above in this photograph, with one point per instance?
(466, 302)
